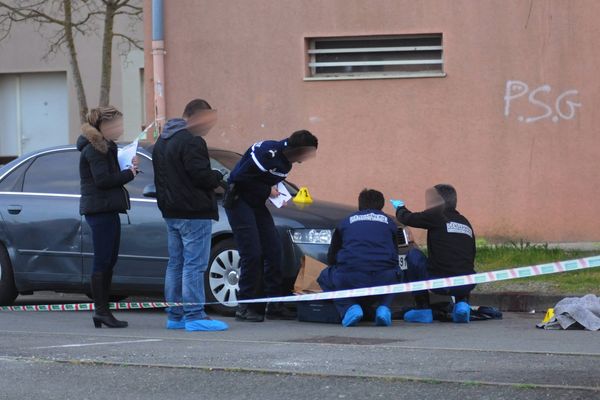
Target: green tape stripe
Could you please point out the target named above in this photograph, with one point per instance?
(593, 261)
(524, 272)
(547, 269)
(437, 283)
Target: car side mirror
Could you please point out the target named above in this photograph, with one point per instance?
(149, 191)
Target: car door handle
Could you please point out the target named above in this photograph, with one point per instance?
(14, 209)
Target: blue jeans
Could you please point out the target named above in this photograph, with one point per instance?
(417, 264)
(189, 253)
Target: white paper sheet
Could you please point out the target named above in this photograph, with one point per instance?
(284, 196)
(126, 154)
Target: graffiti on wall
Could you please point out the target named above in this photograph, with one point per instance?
(564, 106)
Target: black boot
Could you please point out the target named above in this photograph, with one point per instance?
(279, 311)
(246, 313)
(100, 291)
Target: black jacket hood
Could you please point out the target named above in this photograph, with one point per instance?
(172, 127)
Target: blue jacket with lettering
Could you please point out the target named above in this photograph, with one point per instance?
(366, 240)
(262, 166)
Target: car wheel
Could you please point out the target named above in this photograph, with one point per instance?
(8, 290)
(221, 278)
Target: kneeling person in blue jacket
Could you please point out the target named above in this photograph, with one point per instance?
(363, 253)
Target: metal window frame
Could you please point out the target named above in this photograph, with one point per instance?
(52, 151)
(312, 64)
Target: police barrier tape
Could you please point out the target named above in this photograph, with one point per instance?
(441, 283)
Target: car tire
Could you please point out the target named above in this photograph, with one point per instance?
(221, 277)
(8, 290)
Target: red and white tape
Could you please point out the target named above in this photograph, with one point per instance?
(441, 283)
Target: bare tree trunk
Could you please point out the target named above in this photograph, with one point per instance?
(73, 62)
(107, 40)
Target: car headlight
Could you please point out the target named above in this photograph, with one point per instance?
(311, 236)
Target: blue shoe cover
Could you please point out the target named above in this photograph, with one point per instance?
(383, 316)
(353, 316)
(422, 316)
(461, 312)
(175, 324)
(205, 325)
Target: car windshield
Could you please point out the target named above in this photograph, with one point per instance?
(220, 159)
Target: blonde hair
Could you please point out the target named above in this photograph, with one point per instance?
(97, 115)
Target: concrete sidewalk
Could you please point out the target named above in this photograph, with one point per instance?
(510, 353)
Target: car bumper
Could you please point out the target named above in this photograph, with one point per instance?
(316, 251)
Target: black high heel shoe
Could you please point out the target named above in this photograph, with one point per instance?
(109, 320)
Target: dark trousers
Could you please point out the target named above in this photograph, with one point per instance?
(418, 270)
(339, 278)
(260, 250)
(106, 238)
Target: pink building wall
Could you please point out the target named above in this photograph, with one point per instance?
(537, 180)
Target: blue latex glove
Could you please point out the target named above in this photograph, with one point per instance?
(397, 203)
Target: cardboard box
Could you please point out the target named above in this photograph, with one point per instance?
(309, 272)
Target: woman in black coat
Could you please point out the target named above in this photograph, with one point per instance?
(103, 198)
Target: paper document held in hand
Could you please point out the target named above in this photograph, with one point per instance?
(126, 154)
(284, 196)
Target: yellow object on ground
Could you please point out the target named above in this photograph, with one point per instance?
(549, 316)
(303, 197)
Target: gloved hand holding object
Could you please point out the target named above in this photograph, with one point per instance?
(397, 203)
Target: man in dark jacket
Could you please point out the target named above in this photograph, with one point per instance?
(185, 185)
(363, 253)
(252, 182)
(451, 248)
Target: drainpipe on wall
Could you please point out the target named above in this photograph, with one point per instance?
(158, 62)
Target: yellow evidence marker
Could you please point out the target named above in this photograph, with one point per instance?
(303, 197)
(549, 316)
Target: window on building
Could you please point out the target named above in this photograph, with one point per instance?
(366, 57)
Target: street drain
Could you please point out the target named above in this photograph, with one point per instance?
(344, 340)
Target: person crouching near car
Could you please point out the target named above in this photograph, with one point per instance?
(185, 190)
(451, 248)
(103, 198)
(363, 253)
(253, 180)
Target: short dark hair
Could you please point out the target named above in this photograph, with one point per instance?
(194, 106)
(303, 138)
(448, 193)
(370, 199)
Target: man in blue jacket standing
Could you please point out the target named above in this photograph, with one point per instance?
(185, 185)
(363, 253)
(251, 183)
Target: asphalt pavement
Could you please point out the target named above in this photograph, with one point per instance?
(60, 355)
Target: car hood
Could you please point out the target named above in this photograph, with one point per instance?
(319, 214)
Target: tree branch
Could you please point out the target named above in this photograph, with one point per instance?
(19, 14)
(128, 39)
